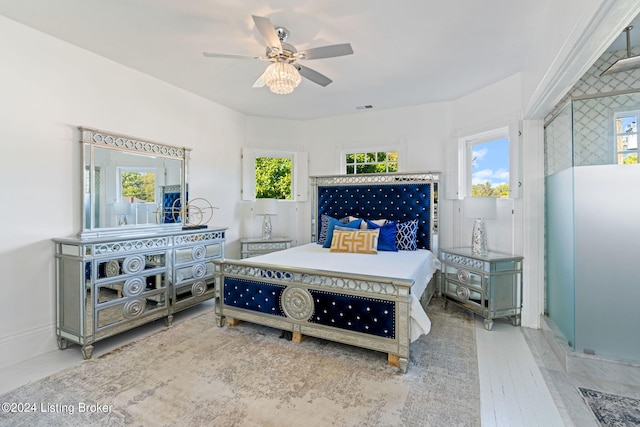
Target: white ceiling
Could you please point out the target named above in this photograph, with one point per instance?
(405, 52)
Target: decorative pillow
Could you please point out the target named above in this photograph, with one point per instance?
(379, 222)
(387, 238)
(406, 235)
(356, 241)
(324, 225)
(332, 224)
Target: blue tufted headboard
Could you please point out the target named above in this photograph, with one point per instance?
(171, 204)
(397, 197)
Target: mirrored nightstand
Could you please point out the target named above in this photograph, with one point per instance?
(489, 285)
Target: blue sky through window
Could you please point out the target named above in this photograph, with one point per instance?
(491, 162)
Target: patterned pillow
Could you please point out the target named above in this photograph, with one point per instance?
(332, 225)
(324, 226)
(407, 235)
(356, 241)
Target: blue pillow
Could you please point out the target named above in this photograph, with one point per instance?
(387, 237)
(332, 225)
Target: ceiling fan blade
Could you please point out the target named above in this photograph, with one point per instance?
(326, 51)
(231, 56)
(259, 82)
(268, 31)
(313, 75)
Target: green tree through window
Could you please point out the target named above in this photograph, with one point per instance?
(140, 185)
(371, 162)
(273, 178)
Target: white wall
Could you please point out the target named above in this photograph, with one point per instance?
(49, 88)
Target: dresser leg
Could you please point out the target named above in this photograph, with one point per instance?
(62, 343)
(87, 350)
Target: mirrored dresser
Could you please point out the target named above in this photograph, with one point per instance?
(144, 251)
(105, 286)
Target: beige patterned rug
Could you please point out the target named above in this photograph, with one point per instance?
(196, 374)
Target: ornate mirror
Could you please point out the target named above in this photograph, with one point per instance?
(131, 184)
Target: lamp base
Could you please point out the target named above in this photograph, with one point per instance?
(479, 238)
(266, 228)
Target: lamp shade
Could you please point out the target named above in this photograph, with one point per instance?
(266, 207)
(480, 207)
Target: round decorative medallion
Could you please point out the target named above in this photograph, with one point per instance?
(198, 288)
(133, 287)
(199, 270)
(463, 293)
(198, 252)
(463, 276)
(297, 303)
(133, 264)
(134, 308)
(112, 268)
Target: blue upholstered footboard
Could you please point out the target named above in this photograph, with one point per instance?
(367, 311)
(355, 313)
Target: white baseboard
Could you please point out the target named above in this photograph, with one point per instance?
(27, 344)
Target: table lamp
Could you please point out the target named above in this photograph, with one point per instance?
(479, 208)
(266, 208)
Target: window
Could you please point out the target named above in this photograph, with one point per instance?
(626, 137)
(273, 178)
(486, 164)
(490, 168)
(270, 174)
(370, 162)
(138, 185)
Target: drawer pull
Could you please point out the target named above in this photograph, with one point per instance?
(463, 293)
(198, 288)
(198, 252)
(463, 276)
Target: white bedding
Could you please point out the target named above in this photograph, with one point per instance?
(418, 266)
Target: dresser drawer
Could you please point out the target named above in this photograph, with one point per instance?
(205, 251)
(464, 293)
(465, 262)
(267, 246)
(463, 276)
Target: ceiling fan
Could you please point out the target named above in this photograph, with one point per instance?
(283, 74)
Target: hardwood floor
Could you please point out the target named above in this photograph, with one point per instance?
(521, 383)
(513, 391)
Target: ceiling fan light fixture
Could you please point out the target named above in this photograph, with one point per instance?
(281, 77)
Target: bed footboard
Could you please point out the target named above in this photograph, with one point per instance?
(365, 311)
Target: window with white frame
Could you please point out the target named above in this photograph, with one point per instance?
(486, 169)
(280, 175)
(626, 137)
(373, 161)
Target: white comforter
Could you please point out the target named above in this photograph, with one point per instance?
(418, 266)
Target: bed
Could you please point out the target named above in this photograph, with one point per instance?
(328, 289)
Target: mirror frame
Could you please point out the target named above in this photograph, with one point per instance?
(95, 138)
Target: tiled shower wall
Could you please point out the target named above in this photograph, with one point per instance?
(595, 99)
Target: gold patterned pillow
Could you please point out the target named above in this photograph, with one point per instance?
(356, 241)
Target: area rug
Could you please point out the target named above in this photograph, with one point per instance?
(612, 410)
(196, 374)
